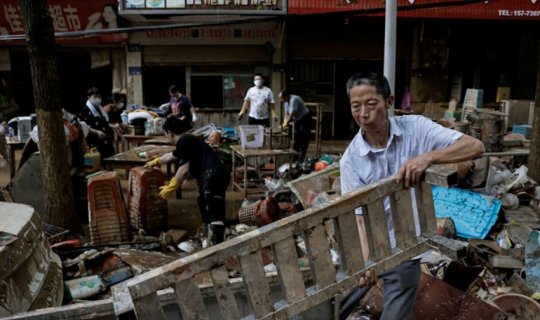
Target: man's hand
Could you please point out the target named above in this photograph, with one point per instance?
(368, 279)
(274, 116)
(412, 170)
(165, 191)
(240, 115)
(152, 163)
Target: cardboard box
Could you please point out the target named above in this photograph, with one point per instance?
(503, 93)
(474, 98)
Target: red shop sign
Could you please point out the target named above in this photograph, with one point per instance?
(68, 16)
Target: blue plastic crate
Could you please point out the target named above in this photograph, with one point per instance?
(523, 129)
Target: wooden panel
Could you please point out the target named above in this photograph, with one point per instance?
(319, 256)
(426, 209)
(189, 300)
(346, 231)
(286, 260)
(255, 280)
(321, 296)
(149, 307)
(377, 230)
(403, 219)
(224, 294)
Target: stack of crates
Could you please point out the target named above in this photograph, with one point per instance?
(107, 217)
(147, 210)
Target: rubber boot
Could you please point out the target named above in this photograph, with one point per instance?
(217, 233)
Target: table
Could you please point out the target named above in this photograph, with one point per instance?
(245, 154)
(158, 140)
(134, 138)
(12, 145)
(136, 157)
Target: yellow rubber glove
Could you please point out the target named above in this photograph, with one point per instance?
(240, 115)
(274, 115)
(152, 163)
(284, 125)
(165, 191)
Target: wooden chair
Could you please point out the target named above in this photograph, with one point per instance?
(327, 281)
(316, 112)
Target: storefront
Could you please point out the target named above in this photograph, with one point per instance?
(83, 61)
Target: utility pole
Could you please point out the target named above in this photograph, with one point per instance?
(390, 22)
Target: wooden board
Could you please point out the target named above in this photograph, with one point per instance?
(403, 219)
(319, 256)
(286, 260)
(224, 294)
(348, 238)
(255, 281)
(377, 231)
(190, 300)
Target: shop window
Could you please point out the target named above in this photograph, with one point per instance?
(219, 91)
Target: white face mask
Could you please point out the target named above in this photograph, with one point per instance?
(120, 105)
(95, 101)
(257, 83)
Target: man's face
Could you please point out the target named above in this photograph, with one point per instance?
(258, 81)
(369, 109)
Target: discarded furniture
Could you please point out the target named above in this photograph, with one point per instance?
(30, 273)
(249, 296)
(246, 154)
(107, 216)
(136, 157)
(316, 115)
(13, 145)
(140, 293)
(147, 210)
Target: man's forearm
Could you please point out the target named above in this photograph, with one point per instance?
(466, 148)
(166, 158)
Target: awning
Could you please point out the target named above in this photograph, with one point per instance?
(440, 9)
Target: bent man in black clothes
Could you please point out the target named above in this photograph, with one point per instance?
(197, 159)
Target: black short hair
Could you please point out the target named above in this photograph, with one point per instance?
(370, 78)
(176, 126)
(117, 97)
(285, 93)
(258, 74)
(93, 90)
(174, 88)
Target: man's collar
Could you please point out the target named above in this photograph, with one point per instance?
(365, 147)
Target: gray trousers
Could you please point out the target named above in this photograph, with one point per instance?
(400, 288)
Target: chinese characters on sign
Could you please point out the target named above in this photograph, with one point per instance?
(65, 18)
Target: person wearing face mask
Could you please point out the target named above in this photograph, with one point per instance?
(101, 135)
(259, 101)
(114, 109)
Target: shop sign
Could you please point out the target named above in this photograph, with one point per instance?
(68, 16)
(181, 7)
(440, 9)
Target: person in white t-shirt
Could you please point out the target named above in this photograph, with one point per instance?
(259, 101)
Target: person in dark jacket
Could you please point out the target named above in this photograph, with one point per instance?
(197, 159)
(101, 135)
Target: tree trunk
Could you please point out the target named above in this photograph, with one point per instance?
(59, 201)
(534, 155)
